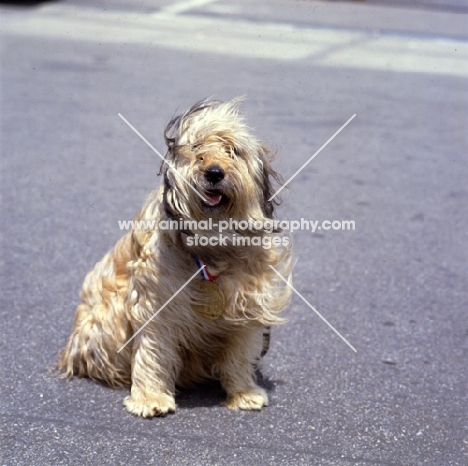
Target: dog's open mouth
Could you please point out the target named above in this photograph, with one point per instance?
(213, 198)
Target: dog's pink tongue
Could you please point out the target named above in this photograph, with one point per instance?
(213, 199)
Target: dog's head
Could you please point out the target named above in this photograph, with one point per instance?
(215, 166)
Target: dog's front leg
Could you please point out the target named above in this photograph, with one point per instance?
(153, 377)
(236, 369)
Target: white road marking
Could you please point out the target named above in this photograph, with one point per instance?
(181, 7)
(326, 47)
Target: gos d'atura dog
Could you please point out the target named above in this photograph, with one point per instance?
(217, 326)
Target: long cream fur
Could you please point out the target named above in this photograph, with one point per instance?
(145, 268)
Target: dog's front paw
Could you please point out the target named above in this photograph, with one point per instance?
(149, 405)
(253, 399)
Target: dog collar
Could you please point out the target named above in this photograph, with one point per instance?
(214, 301)
(204, 272)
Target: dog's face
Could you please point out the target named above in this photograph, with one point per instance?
(223, 171)
(215, 170)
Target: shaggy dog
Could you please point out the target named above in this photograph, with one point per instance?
(147, 319)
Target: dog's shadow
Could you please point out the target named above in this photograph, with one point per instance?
(211, 393)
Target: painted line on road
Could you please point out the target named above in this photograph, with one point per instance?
(181, 7)
(335, 48)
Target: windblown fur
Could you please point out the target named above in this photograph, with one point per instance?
(211, 148)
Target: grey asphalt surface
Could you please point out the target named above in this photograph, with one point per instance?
(396, 287)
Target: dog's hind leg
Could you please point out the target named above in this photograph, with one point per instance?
(101, 326)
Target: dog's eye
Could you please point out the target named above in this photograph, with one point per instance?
(232, 151)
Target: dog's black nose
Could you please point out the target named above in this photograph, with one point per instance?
(214, 174)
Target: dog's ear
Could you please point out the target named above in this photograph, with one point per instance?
(269, 177)
(171, 133)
